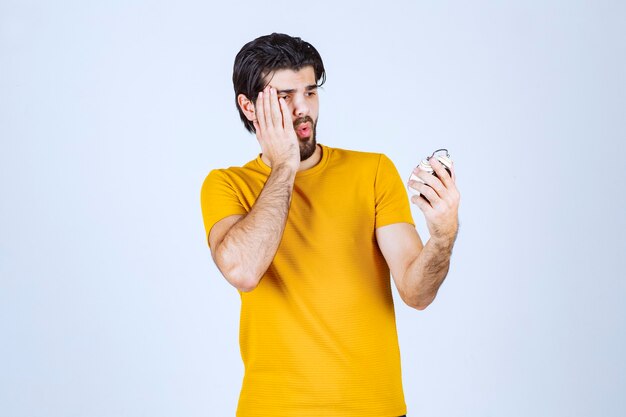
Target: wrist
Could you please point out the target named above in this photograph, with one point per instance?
(444, 243)
(286, 167)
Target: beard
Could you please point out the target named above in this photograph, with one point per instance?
(307, 144)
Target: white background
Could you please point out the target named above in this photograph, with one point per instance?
(112, 113)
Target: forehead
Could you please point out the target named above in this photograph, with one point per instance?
(290, 79)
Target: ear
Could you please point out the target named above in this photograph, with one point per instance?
(246, 106)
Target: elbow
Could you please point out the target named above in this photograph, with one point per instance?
(239, 270)
(417, 306)
(235, 273)
(241, 279)
(419, 303)
(420, 307)
(244, 284)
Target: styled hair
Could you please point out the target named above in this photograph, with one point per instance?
(266, 54)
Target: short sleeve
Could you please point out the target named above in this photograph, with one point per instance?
(392, 201)
(218, 199)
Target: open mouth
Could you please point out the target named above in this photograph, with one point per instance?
(304, 129)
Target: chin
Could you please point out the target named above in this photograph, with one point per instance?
(307, 147)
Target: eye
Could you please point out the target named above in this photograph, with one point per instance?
(310, 93)
(286, 97)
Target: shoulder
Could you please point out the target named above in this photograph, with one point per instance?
(361, 162)
(369, 159)
(234, 174)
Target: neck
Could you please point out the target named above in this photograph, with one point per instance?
(312, 160)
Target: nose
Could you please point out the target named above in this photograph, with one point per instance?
(300, 107)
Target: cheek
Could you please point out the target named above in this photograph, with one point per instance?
(314, 106)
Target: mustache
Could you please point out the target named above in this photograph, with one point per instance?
(301, 120)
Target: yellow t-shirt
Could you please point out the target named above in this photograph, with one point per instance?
(318, 334)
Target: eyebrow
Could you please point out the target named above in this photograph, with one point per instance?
(293, 90)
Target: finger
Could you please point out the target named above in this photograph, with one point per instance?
(431, 180)
(422, 203)
(453, 188)
(267, 108)
(413, 178)
(441, 171)
(449, 195)
(260, 114)
(277, 117)
(259, 137)
(257, 129)
(426, 191)
(451, 184)
(286, 115)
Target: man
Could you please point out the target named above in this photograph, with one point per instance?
(308, 234)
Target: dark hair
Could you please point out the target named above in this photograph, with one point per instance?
(266, 54)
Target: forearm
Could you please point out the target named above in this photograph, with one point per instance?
(249, 247)
(426, 273)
